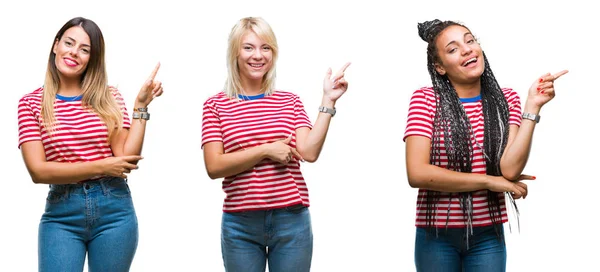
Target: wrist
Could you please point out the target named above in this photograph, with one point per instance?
(97, 168)
(486, 182)
(328, 103)
(530, 107)
(138, 105)
(263, 150)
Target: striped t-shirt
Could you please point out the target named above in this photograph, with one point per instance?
(79, 136)
(244, 123)
(421, 113)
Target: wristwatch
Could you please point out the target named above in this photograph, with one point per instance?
(327, 110)
(532, 117)
(140, 115)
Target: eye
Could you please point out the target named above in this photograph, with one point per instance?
(247, 48)
(266, 48)
(470, 41)
(68, 43)
(85, 51)
(452, 50)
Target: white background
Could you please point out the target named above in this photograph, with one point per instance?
(362, 207)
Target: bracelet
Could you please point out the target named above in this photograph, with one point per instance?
(140, 109)
(531, 116)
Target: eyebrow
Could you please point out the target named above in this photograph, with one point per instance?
(467, 33)
(253, 44)
(83, 44)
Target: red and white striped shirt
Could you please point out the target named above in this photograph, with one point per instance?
(79, 136)
(242, 124)
(421, 113)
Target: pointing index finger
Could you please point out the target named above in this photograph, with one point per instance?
(154, 72)
(559, 74)
(344, 68)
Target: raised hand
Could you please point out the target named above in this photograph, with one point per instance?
(334, 87)
(280, 151)
(119, 166)
(149, 90)
(542, 90)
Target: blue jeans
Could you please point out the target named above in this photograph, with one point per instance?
(448, 251)
(283, 237)
(96, 217)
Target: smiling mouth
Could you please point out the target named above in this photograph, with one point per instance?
(469, 61)
(70, 62)
(256, 65)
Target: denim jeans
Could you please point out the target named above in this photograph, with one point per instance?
(96, 217)
(449, 251)
(282, 237)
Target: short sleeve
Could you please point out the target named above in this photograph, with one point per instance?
(514, 106)
(301, 118)
(211, 123)
(121, 103)
(29, 125)
(420, 114)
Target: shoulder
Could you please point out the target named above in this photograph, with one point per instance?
(510, 94)
(285, 96)
(424, 94)
(220, 97)
(35, 96)
(115, 92)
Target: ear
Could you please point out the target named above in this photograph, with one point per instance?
(440, 69)
(54, 46)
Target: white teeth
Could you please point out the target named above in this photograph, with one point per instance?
(256, 65)
(469, 61)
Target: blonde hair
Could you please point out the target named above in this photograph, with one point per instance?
(97, 95)
(261, 28)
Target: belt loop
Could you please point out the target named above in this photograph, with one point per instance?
(103, 182)
(67, 191)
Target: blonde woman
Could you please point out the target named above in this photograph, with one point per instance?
(75, 134)
(255, 136)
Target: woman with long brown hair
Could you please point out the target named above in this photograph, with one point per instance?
(76, 136)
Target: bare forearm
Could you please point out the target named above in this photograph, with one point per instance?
(313, 144)
(229, 164)
(516, 154)
(64, 172)
(435, 178)
(135, 138)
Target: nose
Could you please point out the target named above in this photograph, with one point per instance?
(257, 55)
(466, 49)
(74, 51)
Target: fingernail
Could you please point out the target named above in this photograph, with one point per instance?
(534, 177)
(541, 79)
(542, 92)
(538, 88)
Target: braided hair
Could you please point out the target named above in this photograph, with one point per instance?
(452, 124)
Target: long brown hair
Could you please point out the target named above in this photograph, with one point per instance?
(96, 93)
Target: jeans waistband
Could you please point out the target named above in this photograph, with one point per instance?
(88, 186)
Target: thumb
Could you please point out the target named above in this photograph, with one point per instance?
(526, 177)
(132, 158)
(288, 139)
(328, 74)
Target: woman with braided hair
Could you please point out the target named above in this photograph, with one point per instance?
(466, 146)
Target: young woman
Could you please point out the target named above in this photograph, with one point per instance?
(75, 134)
(466, 145)
(255, 136)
